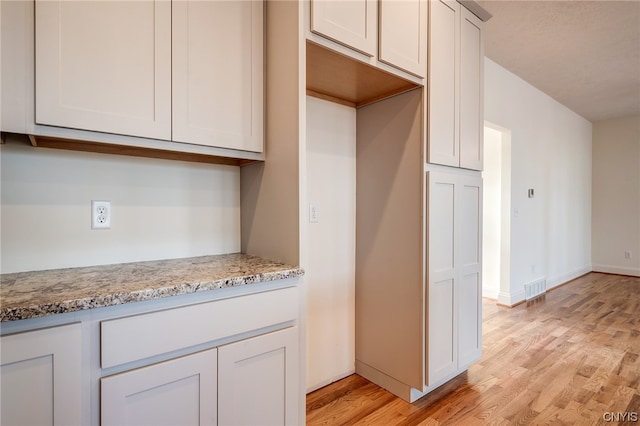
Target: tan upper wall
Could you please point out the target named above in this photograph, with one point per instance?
(616, 196)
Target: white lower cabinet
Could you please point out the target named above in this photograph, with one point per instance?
(454, 274)
(181, 391)
(40, 377)
(250, 382)
(233, 360)
(246, 372)
(259, 373)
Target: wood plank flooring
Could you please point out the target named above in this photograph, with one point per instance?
(568, 358)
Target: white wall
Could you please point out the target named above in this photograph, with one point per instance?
(616, 196)
(491, 213)
(330, 266)
(160, 209)
(551, 153)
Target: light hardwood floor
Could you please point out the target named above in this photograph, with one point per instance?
(568, 358)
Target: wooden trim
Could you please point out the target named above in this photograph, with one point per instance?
(107, 148)
(330, 98)
(342, 79)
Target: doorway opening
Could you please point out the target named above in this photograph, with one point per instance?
(496, 234)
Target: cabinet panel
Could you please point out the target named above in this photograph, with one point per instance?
(141, 336)
(471, 89)
(259, 373)
(442, 358)
(404, 49)
(443, 106)
(218, 73)
(469, 221)
(470, 319)
(352, 23)
(182, 391)
(40, 377)
(441, 207)
(104, 66)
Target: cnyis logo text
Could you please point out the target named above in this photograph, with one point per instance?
(611, 416)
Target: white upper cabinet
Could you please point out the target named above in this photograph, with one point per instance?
(471, 91)
(104, 66)
(378, 32)
(455, 86)
(443, 122)
(187, 71)
(403, 26)
(218, 73)
(352, 23)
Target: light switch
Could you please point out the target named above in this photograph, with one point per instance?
(313, 213)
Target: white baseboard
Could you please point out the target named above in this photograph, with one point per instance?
(565, 278)
(490, 293)
(612, 269)
(326, 382)
(511, 299)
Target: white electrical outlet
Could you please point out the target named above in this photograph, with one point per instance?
(100, 214)
(628, 254)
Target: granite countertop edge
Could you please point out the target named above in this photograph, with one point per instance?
(20, 311)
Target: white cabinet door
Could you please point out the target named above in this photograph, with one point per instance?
(181, 391)
(258, 380)
(218, 73)
(40, 377)
(469, 234)
(442, 279)
(443, 119)
(403, 38)
(104, 66)
(454, 274)
(471, 90)
(455, 86)
(353, 23)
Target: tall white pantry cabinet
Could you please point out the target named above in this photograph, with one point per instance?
(418, 219)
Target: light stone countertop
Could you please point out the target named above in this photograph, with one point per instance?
(34, 294)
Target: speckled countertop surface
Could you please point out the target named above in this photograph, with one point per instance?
(35, 294)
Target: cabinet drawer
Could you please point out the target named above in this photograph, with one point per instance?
(133, 338)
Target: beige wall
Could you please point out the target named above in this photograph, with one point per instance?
(330, 267)
(616, 196)
(160, 209)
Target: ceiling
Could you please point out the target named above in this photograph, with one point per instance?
(584, 54)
